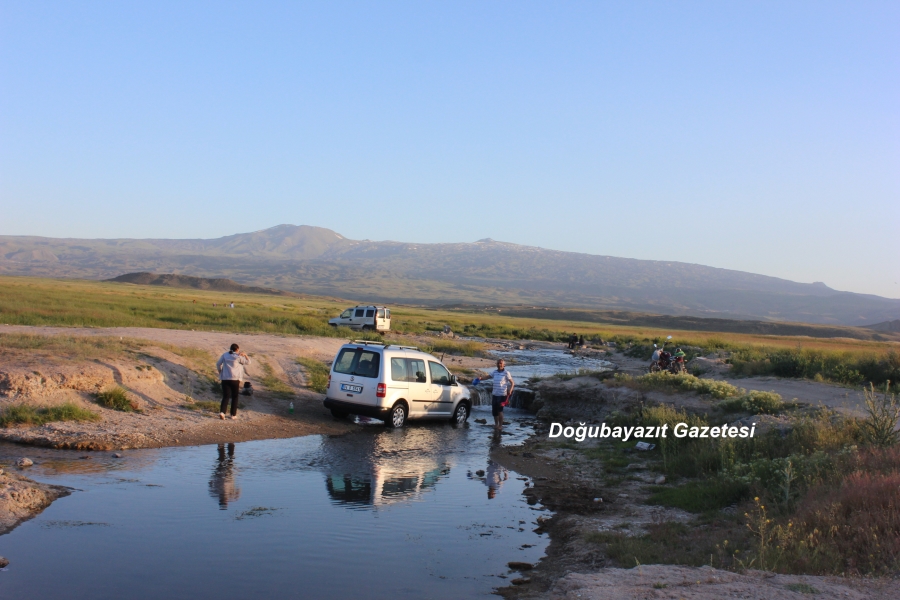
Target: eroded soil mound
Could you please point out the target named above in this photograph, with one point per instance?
(22, 498)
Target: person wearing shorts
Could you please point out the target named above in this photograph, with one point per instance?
(503, 385)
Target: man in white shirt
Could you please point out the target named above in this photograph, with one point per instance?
(503, 387)
(231, 371)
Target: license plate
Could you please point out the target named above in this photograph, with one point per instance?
(351, 388)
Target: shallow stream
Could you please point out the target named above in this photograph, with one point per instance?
(378, 513)
(544, 362)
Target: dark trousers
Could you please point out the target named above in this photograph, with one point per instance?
(230, 387)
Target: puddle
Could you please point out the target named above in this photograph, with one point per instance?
(544, 362)
(412, 513)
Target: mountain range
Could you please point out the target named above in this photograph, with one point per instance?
(314, 260)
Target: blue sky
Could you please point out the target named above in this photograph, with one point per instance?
(760, 136)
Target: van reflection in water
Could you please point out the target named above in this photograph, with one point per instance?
(222, 483)
(380, 469)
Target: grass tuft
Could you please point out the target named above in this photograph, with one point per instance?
(25, 414)
(117, 398)
(316, 373)
(701, 496)
(272, 383)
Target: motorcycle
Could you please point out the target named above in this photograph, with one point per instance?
(667, 362)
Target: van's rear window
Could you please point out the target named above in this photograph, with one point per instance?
(359, 362)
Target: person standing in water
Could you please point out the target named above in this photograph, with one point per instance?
(503, 385)
(231, 371)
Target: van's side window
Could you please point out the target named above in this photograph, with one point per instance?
(360, 312)
(416, 370)
(370, 313)
(439, 373)
(355, 361)
(347, 313)
(387, 313)
(398, 369)
(380, 313)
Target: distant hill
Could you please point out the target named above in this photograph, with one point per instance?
(197, 283)
(314, 260)
(886, 327)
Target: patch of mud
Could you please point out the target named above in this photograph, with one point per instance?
(706, 583)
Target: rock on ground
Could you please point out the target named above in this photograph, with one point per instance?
(707, 583)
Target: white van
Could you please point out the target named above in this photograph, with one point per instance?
(374, 318)
(393, 383)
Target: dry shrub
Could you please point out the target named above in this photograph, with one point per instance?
(849, 528)
(852, 529)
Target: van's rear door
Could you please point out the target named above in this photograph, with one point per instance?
(356, 373)
(382, 320)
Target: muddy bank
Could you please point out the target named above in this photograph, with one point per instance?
(21, 498)
(706, 583)
(170, 379)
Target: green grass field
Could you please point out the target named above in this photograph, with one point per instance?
(76, 303)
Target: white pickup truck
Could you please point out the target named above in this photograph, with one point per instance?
(368, 318)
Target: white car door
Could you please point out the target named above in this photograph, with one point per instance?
(441, 390)
(420, 394)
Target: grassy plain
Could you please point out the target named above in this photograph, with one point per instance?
(76, 303)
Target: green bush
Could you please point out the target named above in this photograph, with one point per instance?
(754, 402)
(687, 382)
(25, 414)
(117, 399)
(464, 348)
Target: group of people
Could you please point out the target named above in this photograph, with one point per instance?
(576, 341)
(663, 359)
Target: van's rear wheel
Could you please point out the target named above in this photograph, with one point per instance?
(397, 416)
(461, 414)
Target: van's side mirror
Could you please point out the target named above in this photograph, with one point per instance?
(453, 380)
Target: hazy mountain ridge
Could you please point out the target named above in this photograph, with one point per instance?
(317, 260)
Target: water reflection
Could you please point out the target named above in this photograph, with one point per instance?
(222, 484)
(493, 477)
(390, 466)
(397, 506)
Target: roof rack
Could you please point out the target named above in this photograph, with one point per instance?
(404, 347)
(366, 342)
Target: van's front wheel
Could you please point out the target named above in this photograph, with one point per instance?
(397, 417)
(461, 414)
